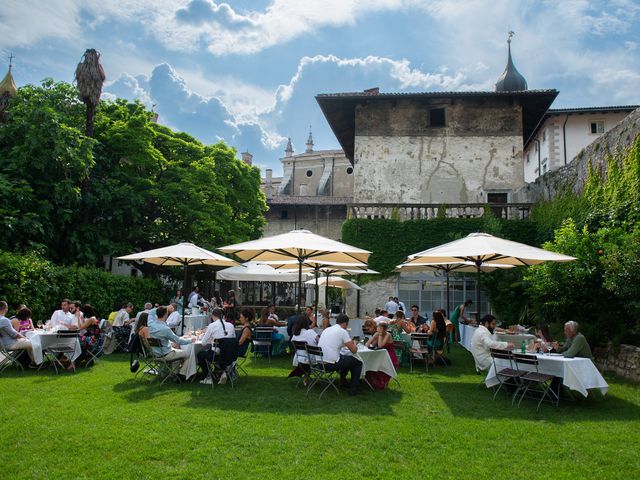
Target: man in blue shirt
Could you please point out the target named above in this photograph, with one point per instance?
(161, 331)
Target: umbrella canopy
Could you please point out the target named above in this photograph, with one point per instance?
(301, 246)
(482, 249)
(337, 282)
(181, 255)
(256, 272)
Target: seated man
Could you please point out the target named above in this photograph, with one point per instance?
(483, 341)
(11, 339)
(383, 317)
(216, 330)
(169, 349)
(63, 318)
(175, 319)
(122, 324)
(576, 344)
(331, 341)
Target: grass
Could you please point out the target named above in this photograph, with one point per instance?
(101, 423)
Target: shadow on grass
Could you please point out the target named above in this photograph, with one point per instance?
(470, 401)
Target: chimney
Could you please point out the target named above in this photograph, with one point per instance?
(269, 176)
(247, 158)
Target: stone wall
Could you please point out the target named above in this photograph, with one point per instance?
(625, 363)
(400, 158)
(575, 174)
(373, 294)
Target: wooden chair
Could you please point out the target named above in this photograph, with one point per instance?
(262, 342)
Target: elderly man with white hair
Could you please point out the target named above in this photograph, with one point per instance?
(576, 344)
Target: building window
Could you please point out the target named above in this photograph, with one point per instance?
(544, 135)
(597, 127)
(284, 214)
(309, 173)
(528, 155)
(544, 166)
(436, 117)
(349, 170)
(536, 148)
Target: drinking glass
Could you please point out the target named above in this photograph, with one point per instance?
(39, 324)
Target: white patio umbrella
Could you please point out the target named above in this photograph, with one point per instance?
(301, 246)
(483, 249)
(337, 282)
(447, 268)
(181, 255)
(257, 272)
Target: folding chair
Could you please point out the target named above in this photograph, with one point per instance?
(95, 352)
(365, 334)
(150, 364)
(122, 335)
(419, 350)
(262, 341)
(9, 358)
(534, 381)
(300, 353)
(318, 370)
(166, 369)
(241, 361)
(66, 348)
(437, 350)
(505, 375)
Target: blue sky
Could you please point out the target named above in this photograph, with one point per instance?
(247, 71)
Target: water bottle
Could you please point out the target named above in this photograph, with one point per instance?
(523, 347)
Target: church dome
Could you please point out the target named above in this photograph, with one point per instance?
(511, 79)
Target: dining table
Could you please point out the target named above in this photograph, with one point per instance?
(42, 339)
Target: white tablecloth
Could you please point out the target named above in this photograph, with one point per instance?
(375, 361)
(282, 331)
(194, 322)
(579, 374)
(466, 333)
(354, 327)
(190, 365)
(40, 340)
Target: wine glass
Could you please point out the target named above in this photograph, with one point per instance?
(39, 324)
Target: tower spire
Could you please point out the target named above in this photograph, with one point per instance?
(511, 79)
(310, 141)
(289, 150)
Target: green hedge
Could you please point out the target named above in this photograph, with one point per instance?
(40, 284)
(391, 241)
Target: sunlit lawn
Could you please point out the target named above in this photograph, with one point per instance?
(101, 423)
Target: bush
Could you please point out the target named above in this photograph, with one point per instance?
(38, 283)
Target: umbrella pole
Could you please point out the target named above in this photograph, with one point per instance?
(299, 285)
(448, 296)
(215, 278)
(478, 294)
(317, 293)
(184, 291)
(326, 292)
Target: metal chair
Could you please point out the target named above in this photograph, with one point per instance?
(505, 375)
(150, 364)
(440, 343)
(419, 351)
(534, 381)
(9, 358)
(95, 352)
(318, 370)
(262, 341)
(166, 369)
(61, 347)
(300, 353)
(122, 335)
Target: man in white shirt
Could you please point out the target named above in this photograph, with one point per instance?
(63, 318)
(194, 297)
(147, 307)
(483, 341)
(122, 326)
(382, 318)
(174, 319)
(216, 330)
(400, 305)
(332, 340)
(391, 306)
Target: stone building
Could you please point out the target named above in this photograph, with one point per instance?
(313, 192)
(564, 132)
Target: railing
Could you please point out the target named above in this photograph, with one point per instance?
(415, 211)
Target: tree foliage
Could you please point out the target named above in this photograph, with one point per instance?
(149, 186)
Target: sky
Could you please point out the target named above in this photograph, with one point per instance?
(247, 71)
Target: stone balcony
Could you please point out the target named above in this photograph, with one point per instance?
(415, 211)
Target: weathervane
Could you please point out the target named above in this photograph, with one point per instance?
(511, 33)
(11, 57)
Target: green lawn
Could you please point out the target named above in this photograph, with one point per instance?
(101, 423)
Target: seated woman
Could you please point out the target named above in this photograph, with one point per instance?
(382, 339)
(22, 321)
(89, 331)
(325, 318)
(302, 332)
(277, 339)
(142, 327)
(543, 342)
(438, 331)
(369, 327)
(246, 320)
